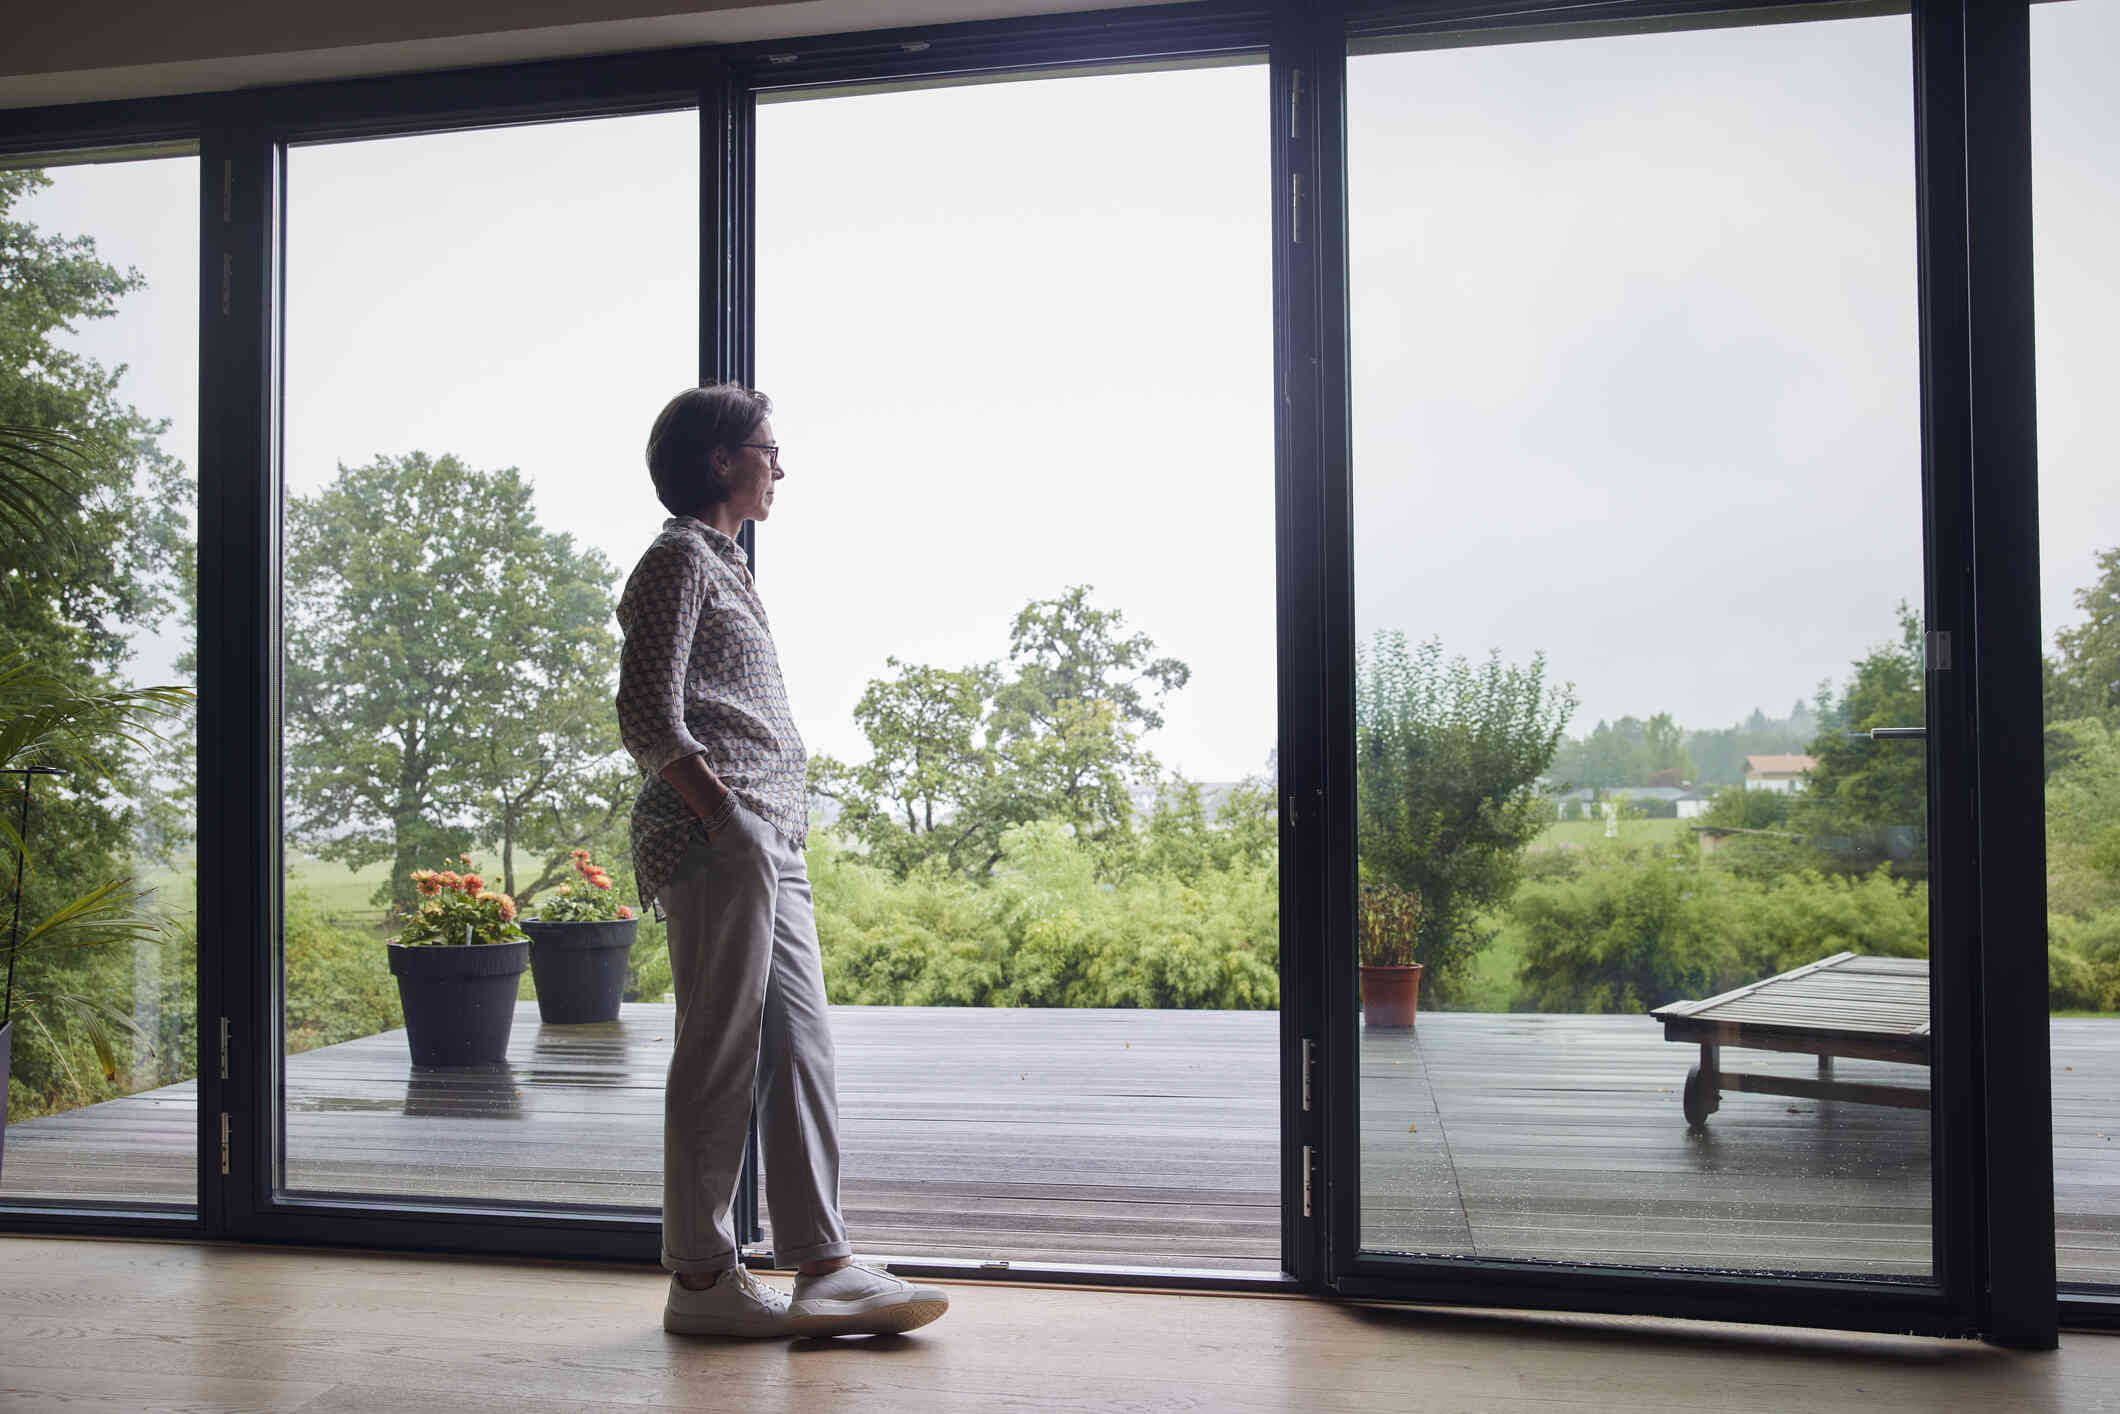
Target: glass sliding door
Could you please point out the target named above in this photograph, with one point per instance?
(1641, 694)
(2076, 208)
(99, 345)
(480, 327)
(1018, 336)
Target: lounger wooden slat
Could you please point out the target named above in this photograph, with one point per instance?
(1869, 1008)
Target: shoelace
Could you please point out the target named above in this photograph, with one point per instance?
(762, 1292)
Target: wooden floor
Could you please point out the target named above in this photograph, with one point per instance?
(88, 1327)
(1149, 1138)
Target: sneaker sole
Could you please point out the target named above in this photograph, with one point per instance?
(892, 1319)
(678, 1323)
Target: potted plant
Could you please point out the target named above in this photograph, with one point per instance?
(581, 943)
(457, 966)
(1387, 927)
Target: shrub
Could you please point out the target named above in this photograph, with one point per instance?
(1629, 932)
(1636, 929)
(338, 981)
(2083, 962)
(1046, 931)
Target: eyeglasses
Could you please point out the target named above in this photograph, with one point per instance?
(771, 449)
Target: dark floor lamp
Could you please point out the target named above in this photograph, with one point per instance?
(29, 775)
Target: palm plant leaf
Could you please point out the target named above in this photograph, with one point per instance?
(98, 1020)
(108, 913)
(47, 722)
(42, 475)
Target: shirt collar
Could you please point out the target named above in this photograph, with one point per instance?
(722, 545)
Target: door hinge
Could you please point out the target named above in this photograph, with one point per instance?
(1295, 210)
(224, 1048)
(1295, 103)
(1310, 1056)
(1936, 646)
(224, 1152)
(1306, 1177)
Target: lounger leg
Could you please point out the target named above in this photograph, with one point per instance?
(1703, 1095)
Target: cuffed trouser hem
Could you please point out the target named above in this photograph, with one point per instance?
(699, 1264)
(784, 1257)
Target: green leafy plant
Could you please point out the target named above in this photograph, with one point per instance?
(46, 726)
(458, 908)
(1387, 924)
(1447, 760)
(590, 901)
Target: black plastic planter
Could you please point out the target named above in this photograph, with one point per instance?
(580, 969)
(459, 1001)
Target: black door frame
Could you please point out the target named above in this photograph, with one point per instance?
(1993, 1232)
(1995, 1240)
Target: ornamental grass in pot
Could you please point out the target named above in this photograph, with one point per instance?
(457, 965)
(1387, 927)
(581, 943)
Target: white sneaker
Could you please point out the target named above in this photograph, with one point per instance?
(737, 1304)
(860, 1300)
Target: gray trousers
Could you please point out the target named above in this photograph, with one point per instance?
(752, 1030)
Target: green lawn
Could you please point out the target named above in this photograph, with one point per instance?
(1587, 832)
(342, 893)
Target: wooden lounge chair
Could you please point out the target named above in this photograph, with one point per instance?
(1870, 1008)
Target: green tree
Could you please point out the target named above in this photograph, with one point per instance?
(957, 758)
(2083, 818)
(1863, 793)
(1066, 729)
(1719, 754)
(98, 550)
(927, 763)
(1624, 753)
(1445, 758)
(2083, 678)
(449, 668)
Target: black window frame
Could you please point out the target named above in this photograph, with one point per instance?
(1995, 1247)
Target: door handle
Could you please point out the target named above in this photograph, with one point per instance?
(1891, 734)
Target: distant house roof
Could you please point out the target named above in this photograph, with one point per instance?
(1780, 765)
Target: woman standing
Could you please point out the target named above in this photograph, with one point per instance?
(718, 832)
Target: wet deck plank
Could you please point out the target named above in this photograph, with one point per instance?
(1134, 1137)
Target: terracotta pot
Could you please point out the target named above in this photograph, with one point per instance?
(1390, 994)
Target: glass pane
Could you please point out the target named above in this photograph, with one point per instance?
(1021, 571)
(1638, 539)
(2076, 208)
(98, 339)
(481, 327)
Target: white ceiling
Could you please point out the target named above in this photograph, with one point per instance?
(106, 49)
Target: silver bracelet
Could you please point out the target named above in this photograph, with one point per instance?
(722, 815)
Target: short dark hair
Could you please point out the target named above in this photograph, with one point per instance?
(682, 442)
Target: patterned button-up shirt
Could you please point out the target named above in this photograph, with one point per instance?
(699, 674)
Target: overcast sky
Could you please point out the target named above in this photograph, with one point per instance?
(1634, 339)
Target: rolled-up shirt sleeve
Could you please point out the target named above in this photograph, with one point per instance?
(659, 614)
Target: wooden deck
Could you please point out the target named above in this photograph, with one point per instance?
(1149, 1138)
